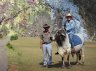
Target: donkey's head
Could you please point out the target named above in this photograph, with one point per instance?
(60, 37)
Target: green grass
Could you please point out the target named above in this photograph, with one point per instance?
(27, 56)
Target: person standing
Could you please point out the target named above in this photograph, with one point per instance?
(45, 45)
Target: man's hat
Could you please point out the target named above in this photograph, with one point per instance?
(68, 15)
(46, 26)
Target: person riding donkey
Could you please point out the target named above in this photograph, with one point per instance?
(72, 27)
(45, 44)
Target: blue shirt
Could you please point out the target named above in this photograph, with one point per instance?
(70, 27)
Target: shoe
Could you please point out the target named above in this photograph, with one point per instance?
(49, 66)
(56, 53)
(44, 65)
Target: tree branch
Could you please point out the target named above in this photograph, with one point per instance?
(14, 16)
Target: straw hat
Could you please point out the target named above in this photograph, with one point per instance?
(46, 26)
(68, 15)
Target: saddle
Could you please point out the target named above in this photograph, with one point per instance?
(75, 40)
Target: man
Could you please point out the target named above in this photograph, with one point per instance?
(45, 44)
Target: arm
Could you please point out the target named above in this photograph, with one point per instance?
(41, 41)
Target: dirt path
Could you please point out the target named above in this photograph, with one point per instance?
(3, 56)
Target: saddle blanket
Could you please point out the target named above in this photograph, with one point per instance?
(75, 40)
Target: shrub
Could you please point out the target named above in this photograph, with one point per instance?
(1, 36)
(14, 37)
(9, 46)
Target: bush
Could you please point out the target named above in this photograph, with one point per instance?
(9, 46)
(1, 36)
(14, 37)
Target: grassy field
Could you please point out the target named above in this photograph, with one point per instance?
(27, 56)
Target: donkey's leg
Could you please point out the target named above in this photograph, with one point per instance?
(68, 59)
(77, 59)
(78, 54)
(82, 54)
(63, 62)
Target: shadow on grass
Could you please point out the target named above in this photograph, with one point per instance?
(41, 63)
(59, 64)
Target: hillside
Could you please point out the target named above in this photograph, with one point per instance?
(22, 17)
(87, 9)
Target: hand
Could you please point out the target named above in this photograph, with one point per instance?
(51, 38)
(41, 47)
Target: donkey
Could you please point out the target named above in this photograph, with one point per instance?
(64, 47)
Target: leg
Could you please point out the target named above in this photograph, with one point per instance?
(49, 50)
(63, 62)
(72, 44)
(78, 57)
(82, 54)
(44, 55)
(77, 60)
(71, 40)
(68, 58)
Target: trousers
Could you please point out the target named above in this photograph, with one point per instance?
(47, 54)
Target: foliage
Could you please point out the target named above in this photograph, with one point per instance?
(14, 37)
(1, 36)
(87, 9)
(10, 46)
(20, 13)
